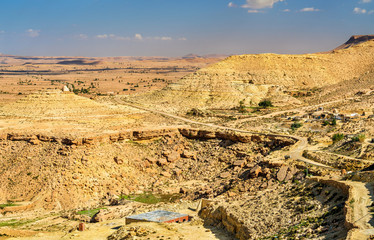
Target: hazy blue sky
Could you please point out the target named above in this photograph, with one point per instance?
(179, 27)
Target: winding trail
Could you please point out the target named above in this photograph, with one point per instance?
(298, 110)
(295, 153)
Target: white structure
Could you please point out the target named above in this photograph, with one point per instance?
(65, 89)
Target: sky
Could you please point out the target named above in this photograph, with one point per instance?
(97, 28)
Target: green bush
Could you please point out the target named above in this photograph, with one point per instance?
(359, 138)
(333, 122)
(265, 103)
(337, 137)
(242, 108)
(296, 125)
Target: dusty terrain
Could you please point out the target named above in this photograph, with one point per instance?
(195, 142)
(93, 76)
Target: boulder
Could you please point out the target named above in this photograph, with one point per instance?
(162, 161)
(188, 154)
(225, 175)
(239, 163)
(177, 171)
(173, 156)
(290, 174)
(34, 141)
(118, 160)
(255, 171)
(282, 173)
(151, 160)
(166, 174)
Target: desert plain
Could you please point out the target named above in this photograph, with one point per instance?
(261, 146)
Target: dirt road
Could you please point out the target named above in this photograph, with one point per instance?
(298, 110)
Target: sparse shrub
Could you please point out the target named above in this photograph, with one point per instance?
(265, 103)
(333, 122)
(296, 125)
(359, 138)
(337, 137)
(242, 108)
(325, 123)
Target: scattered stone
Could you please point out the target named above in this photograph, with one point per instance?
(118, 160)
(183, 190)
(124, 233)
(152, 160)
(264, 185)
(188, 154)
(225, 175)
(146, 164)
(166, 174)
(173, 157)
(255, 171)
(177, 171)
(231, 194)
(34, 141)
(162, 161)
(240, 163)
(84, 160)
(290, 174)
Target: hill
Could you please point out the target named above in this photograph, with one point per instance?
(255, 77)
(354, 40)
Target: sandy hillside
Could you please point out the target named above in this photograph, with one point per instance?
(255, 77)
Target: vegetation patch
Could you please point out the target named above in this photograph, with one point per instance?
(16, 223)
(90, 212)
(337, 137)
(8, 204)
(296, 125)
(150, 198)
(265, 103)
(359, 138)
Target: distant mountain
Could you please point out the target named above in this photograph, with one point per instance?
(354, 40)
(191, 56)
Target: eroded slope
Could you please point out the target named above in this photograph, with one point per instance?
(255, 77)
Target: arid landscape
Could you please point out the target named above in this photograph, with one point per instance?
(255, 146)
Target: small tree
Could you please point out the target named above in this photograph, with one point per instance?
(242, 107)
(337, 137)
(265, 103)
